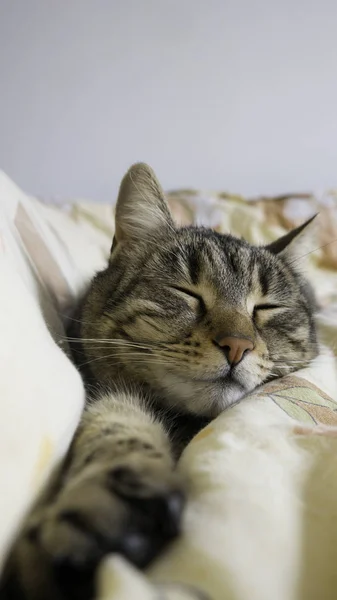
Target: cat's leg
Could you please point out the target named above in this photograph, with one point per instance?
(117, 492)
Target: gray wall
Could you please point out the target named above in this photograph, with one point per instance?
(235, 94)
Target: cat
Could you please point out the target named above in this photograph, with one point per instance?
(182, 323)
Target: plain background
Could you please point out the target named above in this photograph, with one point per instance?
(239, 95)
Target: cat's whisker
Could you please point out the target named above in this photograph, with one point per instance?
(139, 362)
(148, 350)
(312, 251)
(144, 355)
(104, 340)
(300, 362)
(111, 347)
(68, 318)
(116, 341)
(287, 365)
(138, 358)
(148, 359)
(118, 344)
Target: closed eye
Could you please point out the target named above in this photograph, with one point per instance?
(267, 306)
(191, 294)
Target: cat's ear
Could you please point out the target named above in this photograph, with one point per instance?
(297, 243)
(141, 206)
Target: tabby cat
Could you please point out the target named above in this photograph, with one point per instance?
(181, 324)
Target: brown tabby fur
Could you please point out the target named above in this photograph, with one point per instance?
(148, 344)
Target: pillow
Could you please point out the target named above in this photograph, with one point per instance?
(41, 392)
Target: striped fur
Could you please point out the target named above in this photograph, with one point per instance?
(152, 316)
(147, 336)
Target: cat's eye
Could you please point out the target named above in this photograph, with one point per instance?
(265, 307)
(191, 294)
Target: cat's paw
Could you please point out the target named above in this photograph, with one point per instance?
(133, 509)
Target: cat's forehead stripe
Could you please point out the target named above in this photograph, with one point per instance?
(193, 261)
(264, 277)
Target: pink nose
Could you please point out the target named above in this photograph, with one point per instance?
(235, 347)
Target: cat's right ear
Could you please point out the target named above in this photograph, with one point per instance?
(141, 208)
(297, 243)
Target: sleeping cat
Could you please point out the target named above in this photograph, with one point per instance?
(181, 324)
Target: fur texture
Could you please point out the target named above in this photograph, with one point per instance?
(180, 325)
(153, 316)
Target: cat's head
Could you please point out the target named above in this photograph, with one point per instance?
(197, 317)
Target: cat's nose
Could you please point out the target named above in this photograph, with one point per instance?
(234, 347)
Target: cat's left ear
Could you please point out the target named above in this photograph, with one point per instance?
(297, 243)
(141, 208)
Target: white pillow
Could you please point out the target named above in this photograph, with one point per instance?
(41, 392)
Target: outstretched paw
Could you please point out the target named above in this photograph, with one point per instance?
(133, 508)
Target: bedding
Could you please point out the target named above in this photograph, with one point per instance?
(261, 518)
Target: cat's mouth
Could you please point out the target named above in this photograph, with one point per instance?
(235, 379)
(208, 395)
(231, 376)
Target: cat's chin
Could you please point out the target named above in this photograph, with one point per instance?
(202, 398)
(227, 393)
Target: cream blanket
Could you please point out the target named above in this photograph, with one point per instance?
(261, 518)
